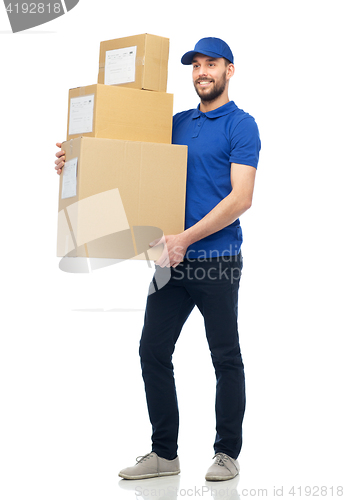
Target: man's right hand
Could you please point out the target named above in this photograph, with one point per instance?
(61, 158)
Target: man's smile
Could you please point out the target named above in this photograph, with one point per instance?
(204, 83)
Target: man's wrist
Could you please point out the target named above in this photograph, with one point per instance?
(187, 237)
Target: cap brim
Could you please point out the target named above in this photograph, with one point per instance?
(188, 57)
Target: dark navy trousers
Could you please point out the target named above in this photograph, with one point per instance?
(211, 285)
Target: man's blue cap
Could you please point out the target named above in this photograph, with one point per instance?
(213, 47)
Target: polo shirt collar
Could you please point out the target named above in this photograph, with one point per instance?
(226, 109)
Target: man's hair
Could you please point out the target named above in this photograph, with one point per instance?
(227, 62)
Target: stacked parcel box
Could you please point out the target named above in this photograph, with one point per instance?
(123, 183)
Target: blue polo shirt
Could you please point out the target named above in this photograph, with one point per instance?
(215, 140)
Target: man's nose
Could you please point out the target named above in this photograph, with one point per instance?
(202, 71)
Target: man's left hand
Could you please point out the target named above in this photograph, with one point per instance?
(174, 250)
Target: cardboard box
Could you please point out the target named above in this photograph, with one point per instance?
(139, 62)
(118, 196)
(119, 113)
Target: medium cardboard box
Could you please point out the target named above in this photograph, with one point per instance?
(139, 62)
(119, 113)
(118, 196)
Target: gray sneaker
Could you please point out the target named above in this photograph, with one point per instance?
(151, 465)
(223, 468)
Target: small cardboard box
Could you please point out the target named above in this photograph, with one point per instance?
(118, 196)
(111, 112)
(139, 62)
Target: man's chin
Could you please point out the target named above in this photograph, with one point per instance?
(204, 93)
(207, 96)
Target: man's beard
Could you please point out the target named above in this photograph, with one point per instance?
(216, 91)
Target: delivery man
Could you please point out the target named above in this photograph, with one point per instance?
(206, 262)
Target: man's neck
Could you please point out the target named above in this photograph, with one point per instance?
(206, 106)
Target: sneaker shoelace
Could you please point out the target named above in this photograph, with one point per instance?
(143, 458)
(221, 458)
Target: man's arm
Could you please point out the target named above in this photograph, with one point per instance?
(230, 208)
(222, 215)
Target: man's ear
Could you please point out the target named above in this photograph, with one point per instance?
(230, 71)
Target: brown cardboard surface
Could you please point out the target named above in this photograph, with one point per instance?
(126, 114)
(128, 194)
(151, 65)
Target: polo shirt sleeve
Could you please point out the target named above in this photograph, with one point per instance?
(245, 143)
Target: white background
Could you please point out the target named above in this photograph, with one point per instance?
(73, 410)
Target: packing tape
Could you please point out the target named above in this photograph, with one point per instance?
(81, 91)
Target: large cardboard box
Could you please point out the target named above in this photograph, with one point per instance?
(139, 62)
(118, 196)
(120, 113)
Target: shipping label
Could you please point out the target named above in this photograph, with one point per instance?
(120, 66)
(81, 114)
